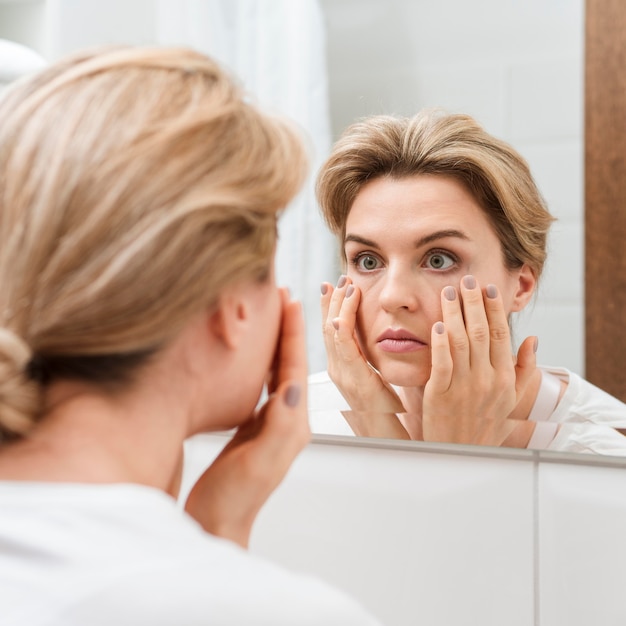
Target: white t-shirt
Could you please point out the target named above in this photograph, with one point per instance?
(127, 555)
(583, 420)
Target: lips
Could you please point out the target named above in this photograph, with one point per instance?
(399, 340)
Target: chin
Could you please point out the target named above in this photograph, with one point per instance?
(404, 374)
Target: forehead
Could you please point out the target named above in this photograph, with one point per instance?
(425, 200)
(422, 193)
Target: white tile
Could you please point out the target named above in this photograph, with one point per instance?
(558, 170)
(417, 537)
(404, 90)
(582, 516)
(546, 99)
(560, 328)
(563, 279)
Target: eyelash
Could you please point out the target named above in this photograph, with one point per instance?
(355, 259)
(432, 253)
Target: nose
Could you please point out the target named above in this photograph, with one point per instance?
(399, 291)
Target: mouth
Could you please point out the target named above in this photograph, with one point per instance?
(399, 341)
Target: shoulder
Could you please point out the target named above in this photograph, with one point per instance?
(585, 402)
(231, 590)
(129, 555)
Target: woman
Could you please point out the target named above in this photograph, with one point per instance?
(440, 222)
(139, 193)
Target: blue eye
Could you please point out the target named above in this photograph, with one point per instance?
(440, 261)
(366, 262)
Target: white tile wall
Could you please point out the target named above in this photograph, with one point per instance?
(440, 535)
(517, 68)
(582, 516)
(433, 539)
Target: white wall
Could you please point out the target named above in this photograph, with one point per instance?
(436, 535)
(515, 66)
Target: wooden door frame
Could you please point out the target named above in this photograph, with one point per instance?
(605, 195)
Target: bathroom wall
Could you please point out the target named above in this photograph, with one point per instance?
(440, 535)
(516, 66)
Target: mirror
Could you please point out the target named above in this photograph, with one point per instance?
(518, 69)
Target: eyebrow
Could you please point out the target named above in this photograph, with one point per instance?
(422, 241)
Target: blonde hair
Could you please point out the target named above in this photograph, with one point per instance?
(433, 142)
(135, 185)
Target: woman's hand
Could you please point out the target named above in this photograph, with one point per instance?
(373, 401)
(228, 496)
(475, 382)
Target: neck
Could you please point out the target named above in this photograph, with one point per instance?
(89, 437)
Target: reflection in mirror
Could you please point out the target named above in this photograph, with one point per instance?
(518, 69)
(443, 234)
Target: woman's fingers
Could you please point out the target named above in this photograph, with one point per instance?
(526, 364)
(477, 326)
(292, 360)
(455, 327)
(333, 297)
(358, 382)
(344, 328)
(499, 332)
(442, 363)
(290, 357)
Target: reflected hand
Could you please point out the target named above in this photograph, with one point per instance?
(475, 383)
(228, 496)
(368, 395)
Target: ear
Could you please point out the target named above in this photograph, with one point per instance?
(229, 321)
(526, 284)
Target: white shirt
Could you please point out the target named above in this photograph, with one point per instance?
(122, 555)
(583, 420)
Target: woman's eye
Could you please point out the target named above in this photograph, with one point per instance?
(440, 261)
(367, 262)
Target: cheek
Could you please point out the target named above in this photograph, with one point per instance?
(368, 306)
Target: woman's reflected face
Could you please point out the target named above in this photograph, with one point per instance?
(407, 239)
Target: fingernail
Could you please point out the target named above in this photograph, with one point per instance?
(469, 282)
(324, 289)
(341, 282)
(492, 292)
(349, 291)
(439, 328)
(449, 293)
(336, 324)
(536, 344)
(292, 395)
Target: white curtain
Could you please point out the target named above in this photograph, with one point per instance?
(277, 49)
(17, 60)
